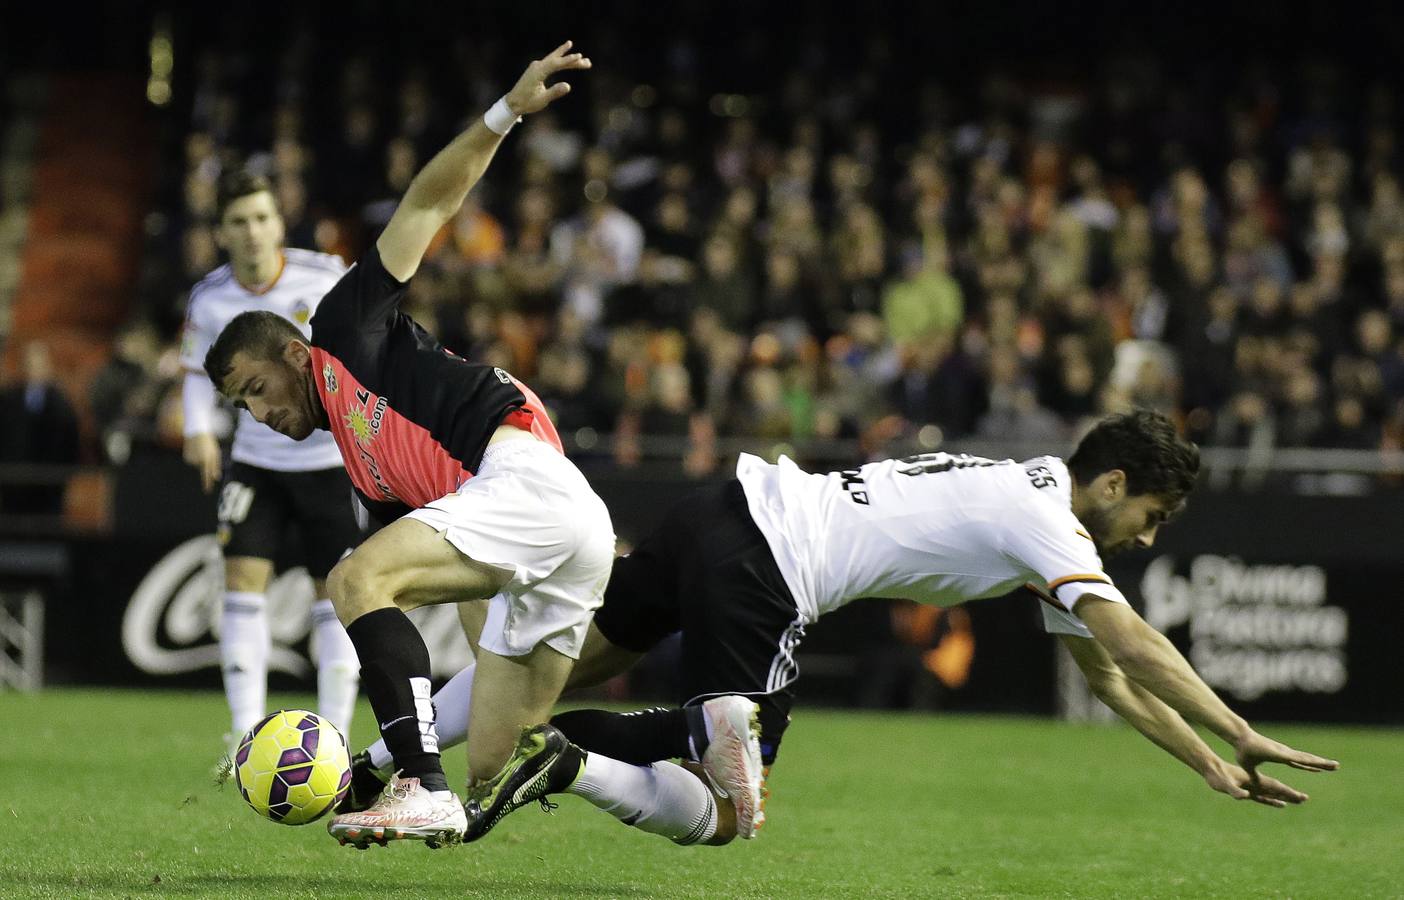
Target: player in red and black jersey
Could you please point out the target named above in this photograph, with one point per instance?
(484, 504)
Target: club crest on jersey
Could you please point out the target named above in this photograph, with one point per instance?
(301, 312)
(329, 378)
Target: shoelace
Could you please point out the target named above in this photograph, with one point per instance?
(397, 791)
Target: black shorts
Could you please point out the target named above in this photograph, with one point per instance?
(261, 511)
(709, 573)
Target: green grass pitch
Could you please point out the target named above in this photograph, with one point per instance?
(108, 794)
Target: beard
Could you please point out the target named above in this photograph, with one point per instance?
(1098, 524)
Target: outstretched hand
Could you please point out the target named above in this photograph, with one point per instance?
(1239, 784)
(1245, 782)
(531, 93)
(1254, 749)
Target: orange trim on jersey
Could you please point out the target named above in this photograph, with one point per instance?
(282, 264)
(1054, 585)
(1041, 594)
(1080, 533)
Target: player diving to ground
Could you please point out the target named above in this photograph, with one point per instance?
(741, 568)
(464, 464)
(273, 485)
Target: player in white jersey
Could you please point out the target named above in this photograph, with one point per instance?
(742, 568)
(275, 486)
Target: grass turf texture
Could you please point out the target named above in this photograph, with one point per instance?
(108, 794)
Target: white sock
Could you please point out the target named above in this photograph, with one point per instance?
(451, 705)
(243, 657)
(662, 798)
(338, 669)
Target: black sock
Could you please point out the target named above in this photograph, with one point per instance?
(395, 675)
(638, 738)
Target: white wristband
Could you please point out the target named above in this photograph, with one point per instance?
(500, 119)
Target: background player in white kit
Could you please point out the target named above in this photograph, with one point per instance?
(274, 484)
(741, 568)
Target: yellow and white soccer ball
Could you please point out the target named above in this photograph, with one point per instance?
(292, 767)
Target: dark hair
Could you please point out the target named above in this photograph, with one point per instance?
(1144, 445)
(261, 334)
(237, 184)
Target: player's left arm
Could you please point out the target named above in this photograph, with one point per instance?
(1168, 730)
(438, 190)
(1149, 659)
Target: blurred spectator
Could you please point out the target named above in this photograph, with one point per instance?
(1014, 413)
(724, 287)
(1211, 344)
(129, 384)
(41, 428)
(859, 251)
(472, 239)
(598, 250)
(1350, 428)
(938, 385)
(563, 383)
(927, 301)
(1302, 419)
(990, 262)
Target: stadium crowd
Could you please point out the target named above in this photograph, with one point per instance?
(811, 256)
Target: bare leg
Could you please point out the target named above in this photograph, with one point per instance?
(511, 693)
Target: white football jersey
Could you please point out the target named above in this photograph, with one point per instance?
(934, 528)
(294, 295)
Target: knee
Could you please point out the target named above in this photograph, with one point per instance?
(356, 586)
(246, 575)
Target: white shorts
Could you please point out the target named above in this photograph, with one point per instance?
(530, 512)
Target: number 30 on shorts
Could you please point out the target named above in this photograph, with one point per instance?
(234, 502)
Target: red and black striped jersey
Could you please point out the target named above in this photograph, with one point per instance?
(411, 418)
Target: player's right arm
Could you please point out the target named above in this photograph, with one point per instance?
(197, 396)
(438, 190)
(202, 451)
(1049, 541)
(1149, 659)
(1168, 730)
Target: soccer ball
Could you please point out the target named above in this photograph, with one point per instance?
(292, 766)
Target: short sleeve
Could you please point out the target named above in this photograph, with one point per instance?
(196, 335)
(1057, 620)
(363, 300)
(1055, 549)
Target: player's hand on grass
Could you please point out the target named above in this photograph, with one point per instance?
(202, 452)
(1239, 784)
(1254, 749)
(531, 93)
